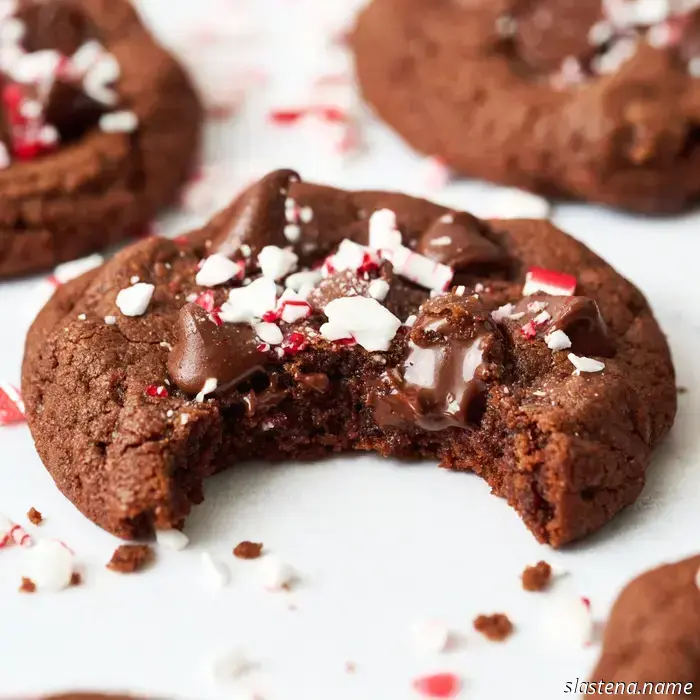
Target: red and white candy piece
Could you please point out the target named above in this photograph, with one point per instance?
(11, 532)
(292, 307)
(384, 233)
(538, 279)
(372, 325)
(419, 269)
(11, 405)
(430, 636)
(569, 620)
(251, 302)
(529, 330)
(438, 685)
(585, 364)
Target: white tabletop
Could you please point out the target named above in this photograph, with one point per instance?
(377, 545)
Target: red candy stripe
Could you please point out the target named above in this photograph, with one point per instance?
(538, 279)
(438, 685)
(11, 405)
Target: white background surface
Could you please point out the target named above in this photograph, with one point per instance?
(377, 545)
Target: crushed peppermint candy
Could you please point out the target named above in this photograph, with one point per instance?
(209, 387)
(364, 319)
(269, 333)
(512, 203)
(538, 279)
(430, 636)
(292, 307)
(419, 269)
(124, 122)
(172, 539)
(275, 575)
(292, 232)
(557, 340)
(276, 262)
(157, 391)
(11, 532)
(215, 572)
(134, 300)
(50, 565)
(348, 256)
(585, 364)
(378, 289)
(11, 405)
(251, 302)
(218, 269)
(383, 230)
(438, 685)
(569, 620)
(304, 279)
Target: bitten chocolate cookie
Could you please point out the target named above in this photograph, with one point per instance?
(99, 126)
(590, 99)
(305, 320)
(653, 635)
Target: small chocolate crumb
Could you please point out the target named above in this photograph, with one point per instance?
(682, 389)
(496, 627)
(75, 579)
(537, 578)
(129, 558)
(248, 550)
(35, 517)
(28, 586)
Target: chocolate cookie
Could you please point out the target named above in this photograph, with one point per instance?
(99, 126)
(590, 99)
(653, 635)
(177, 359)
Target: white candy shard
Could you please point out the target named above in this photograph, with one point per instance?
(251, 302)
(301, 279)
(430, 636)
(269, 333)
(419, 269)
(378, 289)
(216, 270)
(585, 364)
(276, 262)
(383, 231)
(349, 256)
(275, 575)
(569, 621)
(172, 539)
(516, 204)
(124, 122)
(50, 565)
(557, 340)
(216, 573)
(372, 325)
(134, 300)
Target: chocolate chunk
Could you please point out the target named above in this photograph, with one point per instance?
(578, 317)
(318, 381)
(258, 403)
(453, 352)
(248, 550)
(205, 350)
(258, 217)
(496, 627)
(71, 110)
(456, 239)
(76, 579)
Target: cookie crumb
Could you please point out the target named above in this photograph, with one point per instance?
(35, 517)
(129, 558)
(28, 586)
(248, 550)
(681, 389)
(496, 627)
(537, 578)
(75, 579)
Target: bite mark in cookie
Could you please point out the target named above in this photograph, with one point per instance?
(206, 376)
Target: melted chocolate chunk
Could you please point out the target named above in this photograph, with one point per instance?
(578, 317)
(259, 403)
(454, 351)
(71, 111)
(227, 353)
(258, 218)
(457, 240)
(57, 25)
(317, 381)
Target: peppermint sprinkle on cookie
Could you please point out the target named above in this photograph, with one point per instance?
(134, 300)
